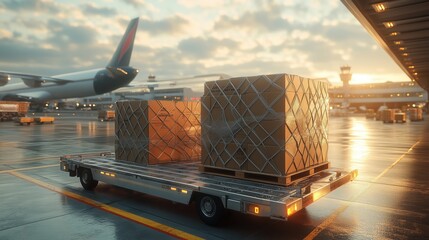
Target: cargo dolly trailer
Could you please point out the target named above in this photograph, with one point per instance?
(184, 183)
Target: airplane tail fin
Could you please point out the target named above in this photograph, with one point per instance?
(123, 52)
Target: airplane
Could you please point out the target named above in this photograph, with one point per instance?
(36, 88)
(146, 89)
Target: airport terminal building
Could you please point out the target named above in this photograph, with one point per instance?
(373, 95)
(370, 96)
(400, 95)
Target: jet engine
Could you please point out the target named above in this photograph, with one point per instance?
(32, 83)
(4, 79)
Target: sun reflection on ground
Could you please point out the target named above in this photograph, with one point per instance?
(359, 143)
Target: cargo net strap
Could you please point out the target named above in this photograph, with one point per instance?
(254, 123)
(157, 131)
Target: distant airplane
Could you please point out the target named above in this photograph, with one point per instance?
(37, 88)
(147, 88)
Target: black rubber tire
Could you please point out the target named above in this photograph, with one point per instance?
(210, 209)
(86, 179)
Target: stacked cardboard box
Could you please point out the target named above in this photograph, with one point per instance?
(388, 116)
(269, 124)
(152, 132)
(416, 114)
(400, 117)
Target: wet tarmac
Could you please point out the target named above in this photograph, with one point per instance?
(388, 200)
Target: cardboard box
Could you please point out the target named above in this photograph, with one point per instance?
(388, 116)
(416, 114)
(152, 132)
(279, 122)
(400, 117)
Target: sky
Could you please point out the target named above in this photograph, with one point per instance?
(180, 38)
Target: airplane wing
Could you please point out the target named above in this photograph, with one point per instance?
(173, 81)
(28, 96)
(35, 78)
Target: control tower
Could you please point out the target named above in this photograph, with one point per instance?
(151, 79)
(346, 77)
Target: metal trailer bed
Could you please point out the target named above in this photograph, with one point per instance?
(183, 183)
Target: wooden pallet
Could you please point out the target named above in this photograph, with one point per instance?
(258, 177)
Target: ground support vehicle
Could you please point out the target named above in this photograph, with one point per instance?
(12, 109)
(42, 120)
(24, 120)
(184, 183)
(106, 115)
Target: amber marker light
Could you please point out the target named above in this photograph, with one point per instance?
(316, 196)
(389, 24)
(253, 208)
(256, 210)
(292, 209)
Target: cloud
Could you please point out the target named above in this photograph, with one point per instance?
(186, 38)
(5, 33)
(135, 3)
(31, 5)
(202, 4)
(264, 20)
(92, 9)
(200, 47)
(171, 25)
(35, 59)
(63, 34)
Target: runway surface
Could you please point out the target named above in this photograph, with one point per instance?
(388, 200)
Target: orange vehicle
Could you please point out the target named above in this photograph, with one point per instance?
(106, 115)
(42, 120)
(24, 120)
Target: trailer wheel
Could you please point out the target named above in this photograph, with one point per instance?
(88, 183)
(210, 209)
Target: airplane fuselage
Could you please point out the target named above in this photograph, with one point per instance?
(81, 84)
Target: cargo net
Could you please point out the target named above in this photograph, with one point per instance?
(152, 132)
(269, 124)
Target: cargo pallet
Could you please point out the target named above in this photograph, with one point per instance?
(266, 178)
(213, 194)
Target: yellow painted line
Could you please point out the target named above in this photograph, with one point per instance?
(396, 162)
(121, 213)
(325, 223)
(328, 221)
(29, 168)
